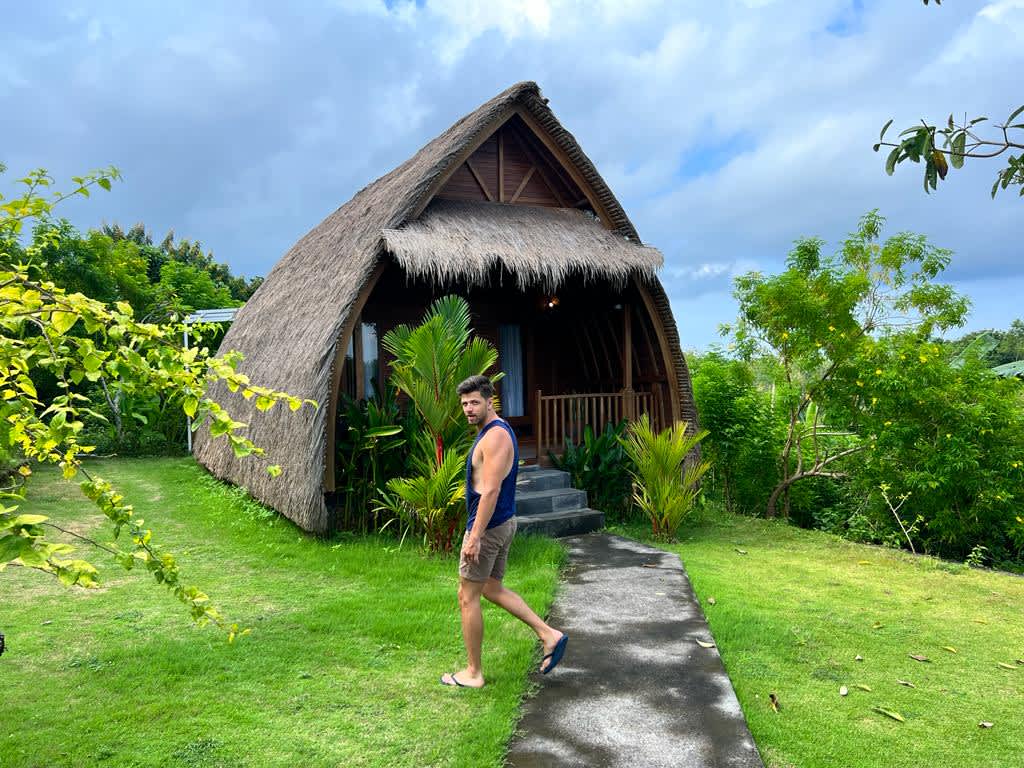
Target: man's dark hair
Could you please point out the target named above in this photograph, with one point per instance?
(480, 384)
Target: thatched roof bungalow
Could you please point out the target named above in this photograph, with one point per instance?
(503, 208)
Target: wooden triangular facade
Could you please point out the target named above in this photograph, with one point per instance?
(513, 166)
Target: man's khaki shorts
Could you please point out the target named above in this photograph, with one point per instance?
(494, 546)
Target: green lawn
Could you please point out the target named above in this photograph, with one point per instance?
(349, 638)
(792, 614)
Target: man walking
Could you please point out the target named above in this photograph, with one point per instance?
(491, 470)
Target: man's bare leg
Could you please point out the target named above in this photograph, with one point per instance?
(500, 595)
(472, 633)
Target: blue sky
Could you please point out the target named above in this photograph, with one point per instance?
(726, 129)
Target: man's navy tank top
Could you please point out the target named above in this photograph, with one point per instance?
(505, 507)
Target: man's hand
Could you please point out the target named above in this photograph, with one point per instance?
(471, 548)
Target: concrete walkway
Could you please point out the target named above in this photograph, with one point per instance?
(635, 690)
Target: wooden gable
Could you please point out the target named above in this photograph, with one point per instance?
(514, 166)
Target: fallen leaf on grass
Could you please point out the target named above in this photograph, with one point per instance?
(985, 724)
(1019, 661)
(863, 687)
(863, 562)
(979, 621)
(843, 690)
(711, 601)
(889, 713)
(704, 643)
(919, 657)
(906, 683)
(741, 551)
(1004, 665)
(877, 625)
(775, 701)
(950, 648)
(858, 657)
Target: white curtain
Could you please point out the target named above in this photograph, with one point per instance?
(510, 349)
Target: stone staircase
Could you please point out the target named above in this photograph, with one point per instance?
(547, 504)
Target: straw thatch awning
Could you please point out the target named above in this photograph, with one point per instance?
(465, 241)
(289, 330)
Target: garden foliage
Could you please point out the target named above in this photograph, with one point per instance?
(78, 341)
(666, 477)
(600, 466)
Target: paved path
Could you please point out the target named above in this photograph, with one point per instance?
(634, 690)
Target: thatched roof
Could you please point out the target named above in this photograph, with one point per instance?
(464, 241)
(289, 330)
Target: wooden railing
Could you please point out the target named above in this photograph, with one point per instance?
(561, 418)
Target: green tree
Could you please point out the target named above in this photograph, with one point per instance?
(816, 317)
(37, 318)
(186, 288)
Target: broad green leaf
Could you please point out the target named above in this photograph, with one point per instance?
(890, 161)
(62, 322)
(881, 136)
(190, 405)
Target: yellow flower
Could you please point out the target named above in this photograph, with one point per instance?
(860, 383)
(878, 371)
(831, 327)
(948, 435)
(785, 334)
(888, 423)
(922, 358)
(874, 400)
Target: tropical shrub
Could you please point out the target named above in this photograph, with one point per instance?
(430, 362)
(372, 445)
(431, 502)
(600, 466)
(666, 481)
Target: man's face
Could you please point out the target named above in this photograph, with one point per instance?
(475, 407)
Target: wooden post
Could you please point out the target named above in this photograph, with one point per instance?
(628, 400)
(539, 427)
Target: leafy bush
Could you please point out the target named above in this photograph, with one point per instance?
(431, 502)
(370, 447)
(952, 437)
(745, 432)
(666, 482)
(600, 466)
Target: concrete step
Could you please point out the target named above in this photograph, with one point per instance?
(563, 523)
(551, 500)
(542, 480)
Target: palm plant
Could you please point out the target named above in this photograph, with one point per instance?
(430, 361)
(431, 501)
(665, 483)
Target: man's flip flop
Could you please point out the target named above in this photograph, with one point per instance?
(556, 654)
(455, 681)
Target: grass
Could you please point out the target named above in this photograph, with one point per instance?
(792, 611)
(348, 639)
